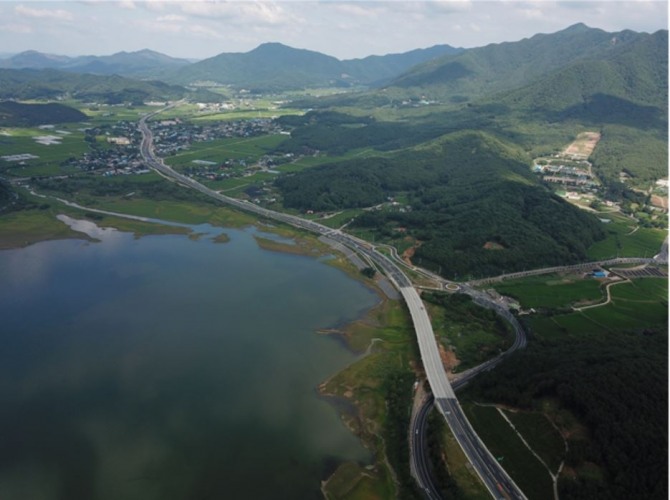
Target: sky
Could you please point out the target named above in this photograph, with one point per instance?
(344, 29)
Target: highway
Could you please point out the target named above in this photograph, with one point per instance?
(584, 266)
(494, 477)
(419, 459)
(420, 462)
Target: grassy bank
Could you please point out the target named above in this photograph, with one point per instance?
(387, 335)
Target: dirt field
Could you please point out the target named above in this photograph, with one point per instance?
(584, 144)
(659, 201)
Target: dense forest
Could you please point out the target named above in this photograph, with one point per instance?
(109, 89)
(617, 387)
(538, 92)
(464, 190)
(15, 114)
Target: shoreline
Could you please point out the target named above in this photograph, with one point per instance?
(353, 335)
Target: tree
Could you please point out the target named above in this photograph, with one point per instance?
(369, 272)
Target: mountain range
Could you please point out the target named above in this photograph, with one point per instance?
(52, 84)
(269, 66)
(141, 64)
(495, 68)
(451, 135)
(274, 66)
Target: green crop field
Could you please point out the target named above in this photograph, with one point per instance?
(640, 304)
(340, 218)
(178, 211)
(551, 291)
(16, 141)
(623, 240)
(313, 161)
(542, 437)
(109, 115)
(245, 114)
(524, 468)
(232, 185)
(220, 150)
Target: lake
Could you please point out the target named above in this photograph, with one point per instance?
(167, 367)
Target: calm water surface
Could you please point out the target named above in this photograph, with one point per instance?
(167, 368)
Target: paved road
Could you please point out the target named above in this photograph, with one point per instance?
(575, 267)
(492, 474)
(420, 461)
(662, 256)
(419, 458)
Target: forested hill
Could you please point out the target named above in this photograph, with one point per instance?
(623, 95)
(616, 385)
(14, 114)
(498, 67)
(112, 89)
(142, 63)
(274, 66)
(379, 69)
(475, 207)
(634, 73)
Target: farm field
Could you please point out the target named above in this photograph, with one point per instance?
(110, 115)
(625, 240)
(551, 291)
(220, 150)
(524, 468)
(641, 304)
(17, 141)
(184, 212)
(244, 114)
(541, 435)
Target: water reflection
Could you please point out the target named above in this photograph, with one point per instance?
(169, 368)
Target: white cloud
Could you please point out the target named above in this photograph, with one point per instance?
(124, 4)
(451, 6)
(157, 27)
(171, 18)
(59, 14)
(342, 28)
(204, 31)
(244, 12)
(531, 13)
(368, 10)
(22, 29)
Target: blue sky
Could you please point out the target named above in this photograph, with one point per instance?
(200, 29)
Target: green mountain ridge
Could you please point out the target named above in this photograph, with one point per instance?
(465, 189)
(498, 67)
(636, 72)
(111, 89)
(585, 79)
(142, 63)
(274, 66)
(14, 114)
(623, 96)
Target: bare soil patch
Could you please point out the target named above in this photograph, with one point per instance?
(659, 201)
(584, 144)
(409, 253)
(449, 359)
(492, 245)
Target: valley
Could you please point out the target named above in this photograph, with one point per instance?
(467, 177)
